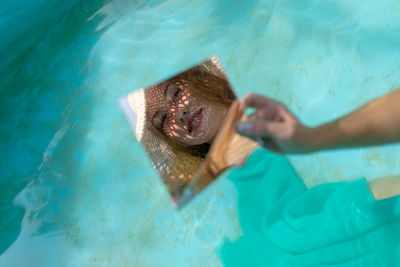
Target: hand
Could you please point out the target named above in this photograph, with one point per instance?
(274, 127)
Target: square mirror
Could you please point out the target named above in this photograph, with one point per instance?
(177, 122)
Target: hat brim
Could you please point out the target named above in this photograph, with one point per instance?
(133, 106)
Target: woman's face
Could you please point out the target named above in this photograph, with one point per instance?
(177, 113)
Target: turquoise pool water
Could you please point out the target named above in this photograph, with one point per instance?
(76, 190)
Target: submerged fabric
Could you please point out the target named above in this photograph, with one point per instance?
(333, 224)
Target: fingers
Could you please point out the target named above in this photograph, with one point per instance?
(262, 134)
(270, 112)
(266, 109)
(256, 101)
(271, 125)
(262, 128)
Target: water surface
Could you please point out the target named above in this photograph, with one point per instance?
(77, 190)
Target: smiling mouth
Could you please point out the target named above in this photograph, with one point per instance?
(194, 121)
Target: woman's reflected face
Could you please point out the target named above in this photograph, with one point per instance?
(177, 113)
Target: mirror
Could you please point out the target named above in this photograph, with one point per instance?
(177, 122)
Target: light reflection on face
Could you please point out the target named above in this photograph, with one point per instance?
(177, 113)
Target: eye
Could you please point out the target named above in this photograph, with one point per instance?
(172, 93)
(159, 120)
(163, 120)
(176, 94)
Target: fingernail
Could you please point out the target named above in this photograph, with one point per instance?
(241, 162)
(244, 127)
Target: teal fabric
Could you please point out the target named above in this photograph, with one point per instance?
(333, 224)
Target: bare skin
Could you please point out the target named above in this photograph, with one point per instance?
(375, 123)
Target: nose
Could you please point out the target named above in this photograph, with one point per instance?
(183, 115)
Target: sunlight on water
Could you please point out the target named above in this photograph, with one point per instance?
(89, 194)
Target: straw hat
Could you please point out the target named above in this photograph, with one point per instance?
(176, 167)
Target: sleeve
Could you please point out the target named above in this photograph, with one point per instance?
(284, 224)
(264, 185)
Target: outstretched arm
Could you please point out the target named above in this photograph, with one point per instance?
(277, 129)
(377, 122)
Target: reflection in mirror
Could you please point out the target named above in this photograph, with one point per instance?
(177, 122)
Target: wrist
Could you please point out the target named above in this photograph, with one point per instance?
(311, 139)
(322, 137)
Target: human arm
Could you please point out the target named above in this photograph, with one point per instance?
(377, 122)
(385, 187)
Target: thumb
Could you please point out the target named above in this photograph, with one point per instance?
(261, 128)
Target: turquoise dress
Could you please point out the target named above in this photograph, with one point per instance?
(333, 224)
